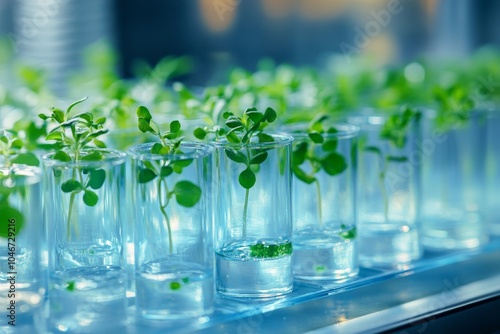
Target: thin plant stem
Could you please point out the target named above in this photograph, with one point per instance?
(245, 209)
(320, 209)
(164, 212)
(70, 213)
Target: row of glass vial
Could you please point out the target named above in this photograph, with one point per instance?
(169, 227)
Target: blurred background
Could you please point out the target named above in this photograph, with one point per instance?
(220, 34)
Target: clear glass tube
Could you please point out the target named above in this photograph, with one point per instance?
(387, 194)
(84, 219)
(253, 223)
(22, 281)
(492, 207)
(323, 203)
(453, 184)
(174, 256)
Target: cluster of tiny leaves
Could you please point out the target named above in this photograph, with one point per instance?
(327, 159)
(262, 250)
(333, 163)
(75, 139)
(242, 130)
(395, 131)
(186, 193)
(12, 151)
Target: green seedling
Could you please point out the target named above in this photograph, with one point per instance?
(186, 193)
(75, 140)
(242, 131)
(306, 154)
(394, 131)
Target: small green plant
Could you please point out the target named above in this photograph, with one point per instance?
(242, 131)
(306, 154)
(73, 137)
(395, 131)
(186, 193)
(11, 152)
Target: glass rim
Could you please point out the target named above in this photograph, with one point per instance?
(283, 140)
(141, 151)
(344, 130)
(111, 157)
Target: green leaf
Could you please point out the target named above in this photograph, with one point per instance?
(74, 104)
(71, 185)
(373, 149)
(97, 177)
(145, 175)
(247, 178)
(143, 112)
(236, 156)
(255, 116)
(270, 114)
(86, 116)
(156, 148)
(17, 144)
(96, 134)
(232, 138)
(258, 158)
(200, 133)
(334, 164)
(99, 143)
(71, 286)
(43, 117)
(183, 163)
(175, 126)
(100, 121)
(332, 130)
(234, 122)
(54, 136)
(175, 285)
(58, 115)
(316, 137)
(265, 138)
(90, 198)
(299, 154)
(303, 176)
(10, 214)
(166, 171)
(349, 235)
(170, 135)
(94, 156)
(62, 156)
(396, 158)
(144, 126)
(187, 193)
(330, 145)
(26, 159)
